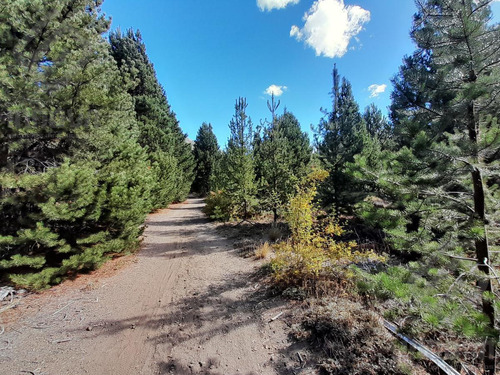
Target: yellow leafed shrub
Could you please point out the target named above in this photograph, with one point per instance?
(313, 258)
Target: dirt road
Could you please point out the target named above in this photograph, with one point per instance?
(187, 304)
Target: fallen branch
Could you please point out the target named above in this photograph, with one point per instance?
(4, 293)
(467, 371)
(12, 305)
(62, 308)
(422, 349)
(302, 363)
(276, 317)
(61, 341)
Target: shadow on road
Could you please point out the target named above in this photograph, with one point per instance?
(200, 318)
(238, 302)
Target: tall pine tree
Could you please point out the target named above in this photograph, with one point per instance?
(206, 155)
(340, 137)
(298, 143)
(238, 165)
(282, 154)
(170, 154)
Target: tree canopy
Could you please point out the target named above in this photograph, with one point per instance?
(170, 154)
(207, 155)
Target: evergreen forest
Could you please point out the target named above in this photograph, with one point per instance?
(401, 211)
(89, 143)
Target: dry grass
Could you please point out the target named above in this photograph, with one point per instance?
(275, 234)
(263, 251)
(348, 339)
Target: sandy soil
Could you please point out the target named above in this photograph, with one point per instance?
(186, 304)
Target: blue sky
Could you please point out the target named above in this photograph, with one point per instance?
(209, 53)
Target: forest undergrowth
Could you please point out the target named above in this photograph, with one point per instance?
(342, 291)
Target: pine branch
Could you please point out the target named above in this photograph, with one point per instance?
(429, 193)
(457, 158)
(461, 258)
(481, 6)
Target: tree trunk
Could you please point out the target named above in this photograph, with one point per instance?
(482, 254)
(4, 155)
(336, 198)
(482, 249)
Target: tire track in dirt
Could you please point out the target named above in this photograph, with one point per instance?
(188, 305)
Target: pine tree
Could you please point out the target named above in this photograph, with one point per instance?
(282, 154)
(160, 133)
(443, 182)
(339, 138)
(377, 140)
(238, 165)
(206, 155)
(298, 144)
(378, 126)
(73, 179)
(274, 164)
(367, 163)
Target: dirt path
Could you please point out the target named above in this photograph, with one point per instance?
(188, 304)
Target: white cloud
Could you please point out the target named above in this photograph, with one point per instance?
(274, 4)
(276, 90)
(376, 90)
(329, 26)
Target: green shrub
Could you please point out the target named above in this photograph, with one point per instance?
(425, 310)
(218, 206)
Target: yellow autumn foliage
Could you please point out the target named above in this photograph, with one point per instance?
(313, 258)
